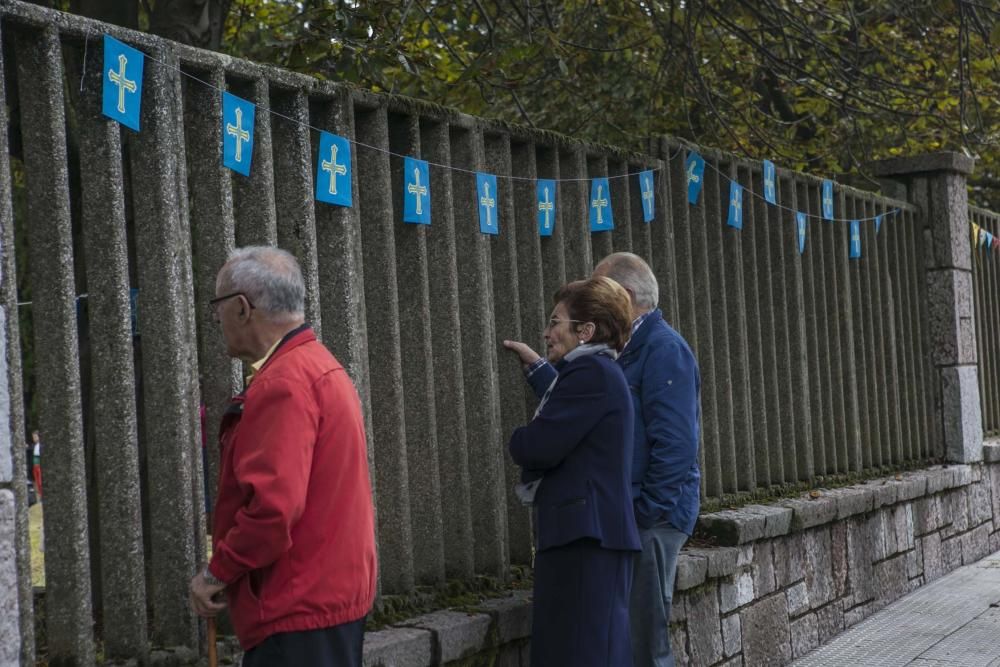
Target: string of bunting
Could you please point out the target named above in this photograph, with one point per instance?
(984, 240)
(122, 97)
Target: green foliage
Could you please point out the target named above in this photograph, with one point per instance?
(816, 86)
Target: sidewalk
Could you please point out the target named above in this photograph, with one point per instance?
(948, 622)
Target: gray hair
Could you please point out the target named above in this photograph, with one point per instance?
(631, 272)
(270, 278)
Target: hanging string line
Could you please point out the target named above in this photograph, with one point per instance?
(394, 154)
(889, 212)
(671, 157)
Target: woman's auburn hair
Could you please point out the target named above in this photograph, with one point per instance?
(603, 302)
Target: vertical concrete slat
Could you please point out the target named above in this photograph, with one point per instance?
(870, 451)
(686, 219)
(533, 306)
(733, 251)
(15, 389)
(813, 329)
(254, 196)
(293, 191)
(67, 562)
(113, 395)
(506, 299)
(784, 320)
(720, 239)
(552, 247)
(574, 194)
(767, 238)
(395, 535)
(849, 361)
(760, 336)
(890, 302)
(799, 363)
(883, 341)
(213, 230)
(904, 290)
(990, 315)
(817, 241)
(654, 241)
(703, 215)
(601, 243)
(166, 374)
(417, 364)
(479, 358)
(449, 374)
(340, 266)
(621, 189)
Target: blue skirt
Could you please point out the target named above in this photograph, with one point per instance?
(580, 609)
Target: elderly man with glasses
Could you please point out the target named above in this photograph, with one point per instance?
(293, 529)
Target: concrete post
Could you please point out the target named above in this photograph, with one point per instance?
(936, 183)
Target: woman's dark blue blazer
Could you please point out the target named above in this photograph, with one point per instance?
(582, 442)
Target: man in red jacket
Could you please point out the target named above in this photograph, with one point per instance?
(293, 534)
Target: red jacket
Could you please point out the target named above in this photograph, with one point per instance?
(294, 533)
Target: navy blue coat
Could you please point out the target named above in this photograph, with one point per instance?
(663, 377)
(582, 442)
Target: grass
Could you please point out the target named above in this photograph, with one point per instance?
(35, 525)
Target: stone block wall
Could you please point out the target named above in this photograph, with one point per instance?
(792, 575)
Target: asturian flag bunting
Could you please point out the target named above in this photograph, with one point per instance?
(828, 200)
(735, 218)
(333, 171)
(545, 191)
(601, 218)
(122, 85)
(769, 178)
(855, 239)
(237, 133)
(694, 167)
(648, 195)
(486, 187)
(416, 192)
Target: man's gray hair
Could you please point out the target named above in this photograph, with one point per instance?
(631, 272)
(270, 278)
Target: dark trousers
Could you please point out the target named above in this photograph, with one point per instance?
(580, 610)
(337, 646)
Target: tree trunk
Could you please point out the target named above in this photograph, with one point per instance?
(195, 22)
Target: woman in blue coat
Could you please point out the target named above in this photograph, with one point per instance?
(576, 456)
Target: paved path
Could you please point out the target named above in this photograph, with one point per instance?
(948, 622)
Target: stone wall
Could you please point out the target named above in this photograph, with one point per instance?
(786, 578)
(791, 575)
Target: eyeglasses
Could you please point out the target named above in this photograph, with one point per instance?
(555, 321)
(213, 304)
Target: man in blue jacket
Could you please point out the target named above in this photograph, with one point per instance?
(663, 375)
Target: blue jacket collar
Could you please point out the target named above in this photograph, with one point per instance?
(642, 333)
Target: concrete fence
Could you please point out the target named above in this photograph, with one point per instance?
(986, 290)
(812, 365)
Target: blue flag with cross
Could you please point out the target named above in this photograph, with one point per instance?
(333, 171)
(122, 86)
(416, 191)
(237, 133)
(486, 189)
(694, 169)
(828, 200)
(769, 178)
(800, 227)
(855, 239)
(545, 192)
(878, 224)
(735, 218)
(601, 217)
(648, 195)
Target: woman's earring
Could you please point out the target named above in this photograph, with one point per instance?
(581, 341)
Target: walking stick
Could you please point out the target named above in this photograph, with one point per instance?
(213, 658)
